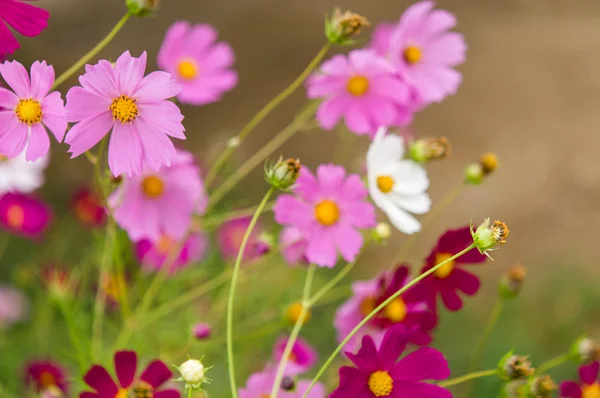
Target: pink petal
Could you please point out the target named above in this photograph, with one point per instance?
(197, 94)
(42, 79)
(39, 143)
(156, 374)
(163, 116)
(125, 153)
(200, 37)
(330, 112)
(88, 394)
(222, 80)
(464, 281)
(156, 86)
(306, 185)
(415, 16)
(440, 21)
(82, 103)
(87, 133)
(422, 364)
(394, 342)
(99, 379)
(391, 88)
(157, 148)
(353, 188)
(321, 248)
(167, 394)
(381, 112)
(359, 214)
(589, 373)
(367, 61)
(336, 66)
(325, 86)
(129, 71)
(356, 120)
(330, 178)
(570, 389)
(8, 99)
(8, 42)
(54, 115)
(125, 367)
(172, 44)
(348, 241)
(291, 211)
(220, 56)
(26, 19)
(449, 49)
(13, 135)
(367, 352)
(100, 79)
(410, 389)
(15, 75)
(451, 299)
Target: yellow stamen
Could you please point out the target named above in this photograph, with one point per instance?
(292, 314)
(367, 305)
(381, 383)
(327, 213)
(15, 216)
(122, 393)
(29, 111)
(445, 270)
(153, 187)
(187, 70)
(591, 391)
(358, 85)
(385, 183)
(47, 380)
(500, 231)
(124, 109)
(395, 311)
(412, 54)
(164, 244)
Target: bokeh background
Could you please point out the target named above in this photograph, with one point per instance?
(531, 93)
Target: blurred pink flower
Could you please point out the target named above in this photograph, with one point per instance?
(24, 215)
(133, 106)
(152, 256)
(363, 88)
(29, 110)
(201, 66)
(158, 203)
(88, 208)
(588, 385)
(13, 306)
(328, 210)
(301, 359)
(45, 374)
(202, 331)
(26, 19)
(293, 246)
(231, 233)
(260, 384)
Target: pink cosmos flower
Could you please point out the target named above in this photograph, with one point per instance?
(379, 373)
(26, 19)
(409, 313)
(152, 378)
(293, 246)
(423, 50)
(328, 210)
(157, 203)
(24, 215)
(152, 256)
(588, 386)
(45, 374)
(29, 110)
(14, 306)
(88, 208)
(133, 106)
(202, 331)
(451, 277)
(260, 385)
(231, 233)
(190, 54)
(301, 359)
(363, 88)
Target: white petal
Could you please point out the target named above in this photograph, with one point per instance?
(384, 151)
(418, 204)
(409, 178)
(401, 219)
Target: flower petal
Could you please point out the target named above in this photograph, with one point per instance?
(8, 99)
(125, 153)
(156, 374)
(165, 117)
(39, 143)
(125, 367)
(54, 115)
(82, 103)
(411, 389)
(42, 79)
(291, 211)
(321, 248)
(156, 86)
(172, 43)
(411, 178)
(15, 75)
(348, 241)
(589, 373)
(464, 281)
(100, 79)
(330, 178)
(423, 364)
(101, 381)
(129, 72)
(13, 135)
(8, 42)
(570, 389)
(167, 394)
(88, 132)
(399, 218)
(26, 19)
(417, 204)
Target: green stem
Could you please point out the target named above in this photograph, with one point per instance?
(234, 279)
(489, 328)
(190, 390)
(553, 363)
(80, 353)
(295, 331)
(231, 215)
(467, 377)
(376, 310)
(247, 129)
(331, 284)
(92, 53)
(261, 154)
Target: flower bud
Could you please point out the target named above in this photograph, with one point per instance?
(541, 387)
(424, 150)
(585, 350)
(201, 331)
(487, 237)
(488, 162)
(283, 174)
(193, 374)
(381, 232)
(288, 383)
(514, 367)
(512, 282)
(475, 173)
(342, 27)
(234, 142)
(141, 8)
(293, 311)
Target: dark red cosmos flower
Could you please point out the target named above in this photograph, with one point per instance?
(154, 376)
(588, 387)
(26, 19)
(43, 375)
(379, 373)
(88, 208)
(451, 277)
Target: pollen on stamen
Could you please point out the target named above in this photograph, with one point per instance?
(124, 109)
(29, 111)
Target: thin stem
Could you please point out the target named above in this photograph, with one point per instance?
(79, 351)
(190, 390)
(221, 218)
(489, 328)
(376, 310)
(92, 53)
(247, 129)
(334, 281)
(467, 377)
(261, 154)
(234, 279)
(553, 363)
(295, 331)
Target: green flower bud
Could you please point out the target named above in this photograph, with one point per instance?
(541, 387)
(283, 173)
(341, 28)
(424, 150)
(514, 367)
(381, 232)
(486, 238)
(474, 174)
(585, 350)
(141, 8)
(193, 373)
(512, 282)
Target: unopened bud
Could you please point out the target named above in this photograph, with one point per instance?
(424, 150)
(512, 282)
(487, 237)
(541, 387)
(141, 8)
(193, 373)
(585, 350)
(514, 367)
(342, 27)
(234, 142)
(283, 174)
(288, 383)
(475, 173)
(293, 311)
(201, 331)
(488, 162)
(381, 232)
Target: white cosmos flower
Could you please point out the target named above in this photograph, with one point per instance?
(397, 186)
(20, 175)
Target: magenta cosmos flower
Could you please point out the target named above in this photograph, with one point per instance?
(409, 313)
(362, 88)
(301, 359)
(157, 203)
(378, 373)
(24, 215)
(293, 246)
(328, 210)
(45, 375)
(26, 19)
(153, 255)
(231, 233)
(424, 52)
(201, 66)
(133, 106)
(29, 110)
(260, 385)
(451, 277)
(588, 386)
(202, 331)
(88, 208)
(147, 385)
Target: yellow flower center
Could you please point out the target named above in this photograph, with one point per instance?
(47, 380)
(122, 393)
(164, 244)
(153, 187)
(3, 158)
(381, 383)
(292, 358)
(143, 390)
(327, 213)
(445, 270)
(591, 391)
(114, 286)
(29, 111)
(124, 109)
(15, 216)
(187, 70)
(395, 311)
(385, 183)
(412, 54)
(292, 313)
(358, 85)
(367, 305)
